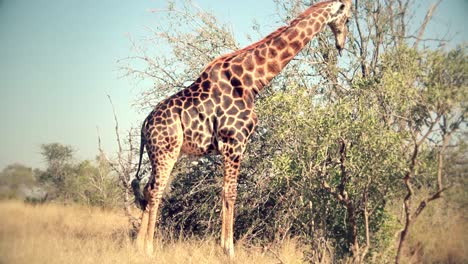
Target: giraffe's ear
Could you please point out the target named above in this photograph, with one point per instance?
(346, 2)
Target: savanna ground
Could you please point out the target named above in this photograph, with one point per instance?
(53, 233)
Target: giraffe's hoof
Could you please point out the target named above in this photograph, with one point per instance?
(149, 251)
(139, 247)
(229, 251)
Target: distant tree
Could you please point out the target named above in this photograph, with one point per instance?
(95, 184)
(14, 179)
(17, 174)
(56, 154)
(59, 159)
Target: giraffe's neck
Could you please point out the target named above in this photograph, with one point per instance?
(264, 60)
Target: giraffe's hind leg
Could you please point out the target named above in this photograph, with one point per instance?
(163, 156)
(232, 149)
(141, 236)
(155, 193)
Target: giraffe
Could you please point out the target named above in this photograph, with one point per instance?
(216, 112)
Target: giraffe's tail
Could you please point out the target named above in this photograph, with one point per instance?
(139, 197)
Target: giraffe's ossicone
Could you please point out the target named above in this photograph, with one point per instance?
(216, 112)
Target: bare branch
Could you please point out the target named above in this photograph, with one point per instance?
(428, 18)
(426, 201)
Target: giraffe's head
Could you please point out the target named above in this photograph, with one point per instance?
(341, 13)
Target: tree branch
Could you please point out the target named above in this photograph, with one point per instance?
(428, 18)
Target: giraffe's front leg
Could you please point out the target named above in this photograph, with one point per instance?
(228, 199)
(232, 149)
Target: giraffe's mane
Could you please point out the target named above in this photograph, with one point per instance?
(274, 34)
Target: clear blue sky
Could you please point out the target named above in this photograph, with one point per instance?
(58, 60)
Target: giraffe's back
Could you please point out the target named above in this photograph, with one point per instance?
(183, 112)
(215, 108)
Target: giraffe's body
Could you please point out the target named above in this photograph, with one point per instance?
(216, 112)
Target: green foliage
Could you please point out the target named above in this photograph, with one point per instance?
(447, 80)
(331, 150)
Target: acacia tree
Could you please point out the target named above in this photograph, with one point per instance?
(59, 168)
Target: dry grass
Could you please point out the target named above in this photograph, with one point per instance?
(440, 235)
(73, 234)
